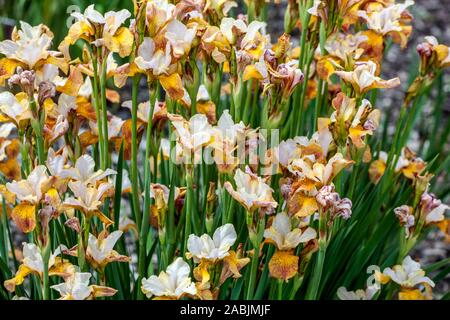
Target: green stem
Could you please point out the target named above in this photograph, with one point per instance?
(255, 259)
(280, 289)
(37, 125)
(45, 279)
(314, 285)
(147, 199)
(104, 116)
(134, 151)
(189, 205)
(98, 115)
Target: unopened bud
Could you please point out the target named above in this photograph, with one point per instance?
(46, 90)
(326, 196)
(74, 224)
(404, 215)
(24, 79)
(343, 208)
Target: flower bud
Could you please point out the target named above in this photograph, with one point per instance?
(47, 90)
(343, 209)
(326, 196)
(24, 79)
(429, 202)
(74, 224)
(404, 215)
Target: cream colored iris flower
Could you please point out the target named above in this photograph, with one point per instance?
(231, 27)
(84, 171)
(143, 110)
(158, 13)
(315, 8)
(15, 108)
(101, 30)
(56, 162)
(437, 214)
(30, 45)
(175, 155)
(317, 172)
(100, 250)
(344, 294)
(408, 275)
(29, 192)
(33, 188)
(180, 37)
(171, 284)
(152, 59)
(222, 7)
(5, 131)
(114, 126)
(344, 46)
(161, 194)
(251, 191)
(33, 263)
(387, 19)
(442, 51)
(363, 77)
(284, 236)
(227, 129)
(192, 134)
(215, 248)
(76, 287)
(32, 257)
(227, 136)
(87, 198)
(291, 149)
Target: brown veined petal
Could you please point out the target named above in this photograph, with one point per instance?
(164, 298)
(13, 149)
(251, 72)
(61, 268)
(87, 139)
(201, 273)
(376, 170)
(126, 137)
(10, 169)
(325, 68)
(374, 46)
(7, 68)
(85, 109)
(101, 291)
(232, 264)
(8, 195)
(381, 277)
(208, 109)
(367, 156)
(78, 30)
(18, 279)
(302, 205)
(283, 265)
(414, 169)
(113, 96)
(357, 135)
(121, 42)
(73, 83)
(172, 85)
(442, 53)
(406, 294)
(103, 218)
(24, 215)
(61, 63)
(114, 256)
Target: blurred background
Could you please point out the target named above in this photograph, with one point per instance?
(431, 17)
